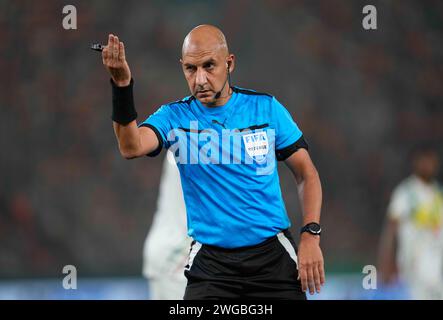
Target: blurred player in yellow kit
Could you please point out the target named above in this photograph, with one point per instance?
(167, 245)
(412, 241)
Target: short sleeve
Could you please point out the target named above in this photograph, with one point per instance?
(289, 137)
(160, 123)
(399, 205)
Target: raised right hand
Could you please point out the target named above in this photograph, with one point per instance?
(114, 59)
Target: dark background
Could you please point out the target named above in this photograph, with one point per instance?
(362, 99)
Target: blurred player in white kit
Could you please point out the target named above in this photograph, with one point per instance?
(412, 241)
(167, 245)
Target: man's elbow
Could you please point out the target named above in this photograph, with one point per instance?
(309, 174)
(314, 173)
(129, 154)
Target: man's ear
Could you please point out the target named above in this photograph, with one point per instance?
(231, 63)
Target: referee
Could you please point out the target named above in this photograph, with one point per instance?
(226, 140)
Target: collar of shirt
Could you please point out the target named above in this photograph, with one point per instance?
(219, 113)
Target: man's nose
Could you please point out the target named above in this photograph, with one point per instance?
(201, 77)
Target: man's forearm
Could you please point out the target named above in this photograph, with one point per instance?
(310, 258)
(124, 118)
(128, 137)
(310, 195)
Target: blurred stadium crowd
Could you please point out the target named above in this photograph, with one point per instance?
(362, 99)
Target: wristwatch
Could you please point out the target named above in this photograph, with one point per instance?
(313, 228)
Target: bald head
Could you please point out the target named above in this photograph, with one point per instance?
(205, 38)
(207, 64)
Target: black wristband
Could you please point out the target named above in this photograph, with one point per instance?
(123, 108)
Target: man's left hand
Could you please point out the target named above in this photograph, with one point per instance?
(310, 263)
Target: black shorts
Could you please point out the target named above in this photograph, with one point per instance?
(264, 271)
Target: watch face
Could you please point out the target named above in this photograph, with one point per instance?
(314, 228)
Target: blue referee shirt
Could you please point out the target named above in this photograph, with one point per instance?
(227, 156)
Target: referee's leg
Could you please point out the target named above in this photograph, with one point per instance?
(277, 274)
(209, 276)
(265, 271)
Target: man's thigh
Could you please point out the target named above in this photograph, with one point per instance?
(268, 271)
